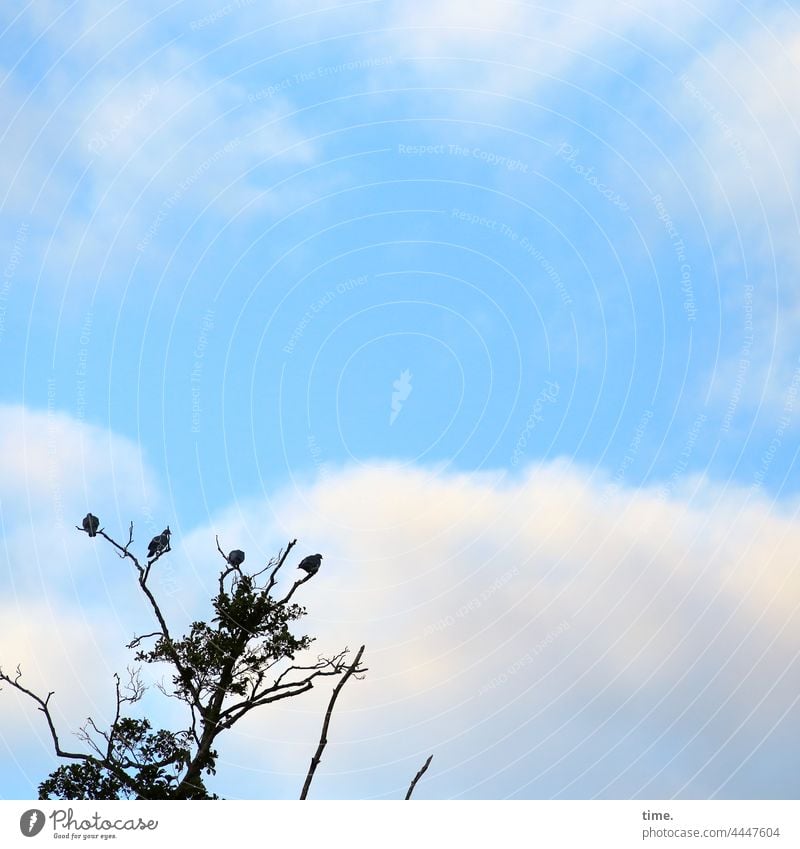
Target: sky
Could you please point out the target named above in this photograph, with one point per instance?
(494, 304)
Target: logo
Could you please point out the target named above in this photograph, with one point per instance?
(31, 822)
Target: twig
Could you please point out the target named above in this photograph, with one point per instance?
(123, 550)
(44, 708)
(323, 738)
(134, 643)
(280, 690)
(113, 767)
(224, 556)
(281, 561)
(129, 543)
(295, 585)
(228, 568)
(144, 573)
(418, 776)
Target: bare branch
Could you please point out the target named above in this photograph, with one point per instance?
(124, 549)
(281, 690)
(129, 543)
(296, 584)
(224, 556)
(144, 573)
(44, 708)
(323, 738)
(110, 765)
(134, 643)
(322, 662)
(281, 560)
(155, 558)
(83, 734)
(417, 777)
(246, 707)
(183, 672)
(227, 571)
(259, 572)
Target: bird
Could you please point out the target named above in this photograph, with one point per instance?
(159, 542)
(311, 563)
(236, 557)
(90, 524)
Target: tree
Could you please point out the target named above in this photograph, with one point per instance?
(242, 659)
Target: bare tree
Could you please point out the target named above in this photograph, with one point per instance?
(242, 659)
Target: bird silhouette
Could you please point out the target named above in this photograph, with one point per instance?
(90, 524)
(159, 542)
(236, 557)
(311, 564)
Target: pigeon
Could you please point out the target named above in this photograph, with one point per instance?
(158, 543)
(311, 563)
(91, 524)
(236, 557)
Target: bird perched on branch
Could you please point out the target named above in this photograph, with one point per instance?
(236, 557)
(311, 563)
(159, 542)
(90, 524)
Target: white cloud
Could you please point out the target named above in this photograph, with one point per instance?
(121, 129)
(525, 630)
(544, 635)
(54, 648)
(738, 170)
(56, 469)
(66, 608)
(512, 48)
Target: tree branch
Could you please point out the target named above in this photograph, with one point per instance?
(295, 585)
(134, 643)
(144, 573)
(281, 561)
(123, 549)
(279, 690)
(44, 708)
(323, 738)
(417, 777)
(228, 568)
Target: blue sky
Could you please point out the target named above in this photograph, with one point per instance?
(229, 230)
